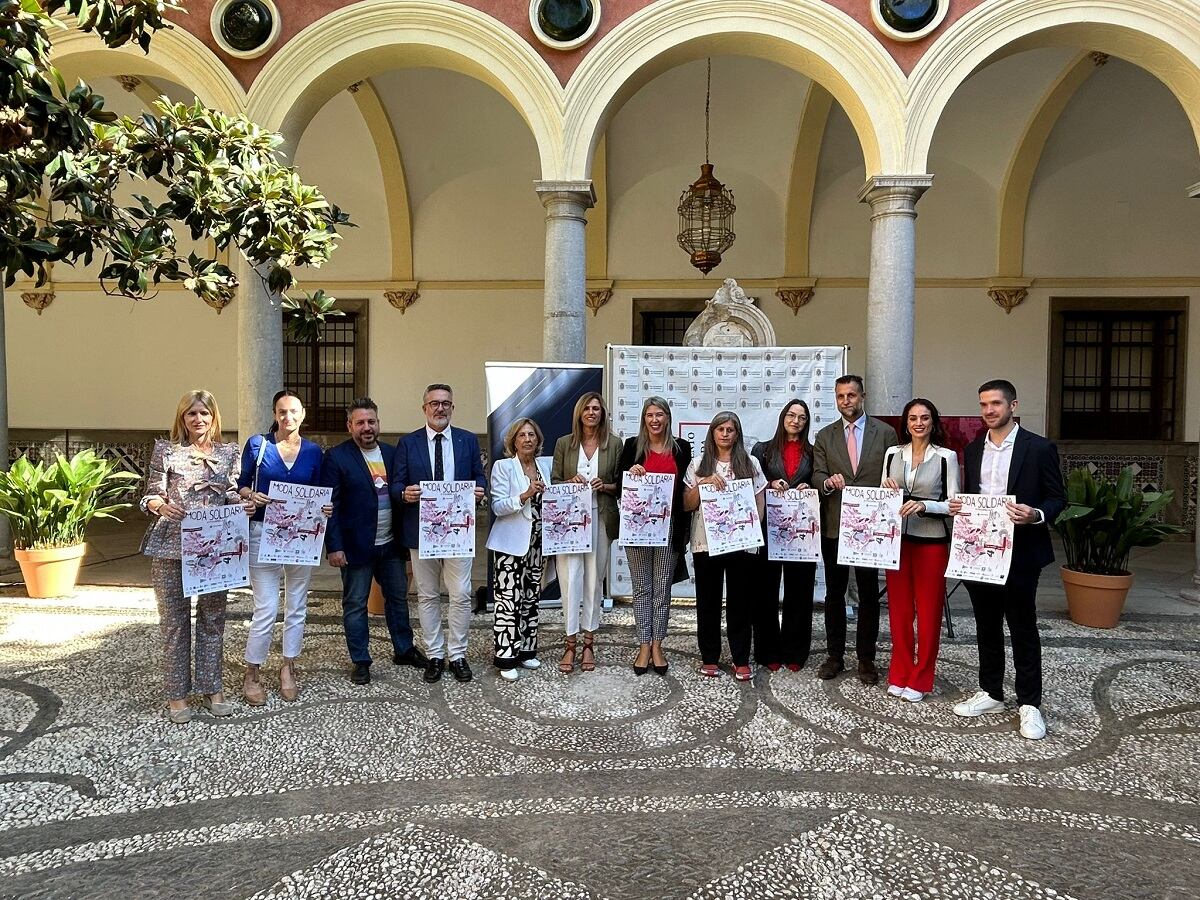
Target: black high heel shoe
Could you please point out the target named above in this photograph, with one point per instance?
(641, 670)
(661, 670)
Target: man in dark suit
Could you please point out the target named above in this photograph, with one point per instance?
(438, 452)
(359, 540)
(849, 451)
(1008, 459)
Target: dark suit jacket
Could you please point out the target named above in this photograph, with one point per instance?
(413, 467)
(830, 457)
(1035, 477)
(772, 466)
(355, 503)
(566, 466)
(681, 519)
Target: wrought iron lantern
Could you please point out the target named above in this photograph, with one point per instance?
(706, 209)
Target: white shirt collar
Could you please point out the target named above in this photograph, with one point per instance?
(1009, 439)
(431, 435)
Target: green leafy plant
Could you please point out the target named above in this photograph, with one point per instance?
(52, 505)
(68, 167)
(1105, 519)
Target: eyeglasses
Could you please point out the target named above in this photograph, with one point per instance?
(439, 404)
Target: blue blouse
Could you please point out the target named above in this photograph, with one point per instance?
(305, 470)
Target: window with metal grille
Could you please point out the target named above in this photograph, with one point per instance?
(1120, 372)
(325, 373)
(665, 329)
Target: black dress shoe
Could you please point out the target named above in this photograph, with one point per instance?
(867, 673)
(361, 673)
(831, 667)
(412, 657)
(433, 670)
(460, 670)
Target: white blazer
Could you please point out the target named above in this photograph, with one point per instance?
(514, 519)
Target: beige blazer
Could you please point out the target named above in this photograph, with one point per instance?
(566, 466)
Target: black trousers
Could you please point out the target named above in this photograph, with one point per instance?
(731, 574)
(836, 580)
(791, 642)
(1014, 602)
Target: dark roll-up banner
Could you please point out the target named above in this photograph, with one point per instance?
(544, 392)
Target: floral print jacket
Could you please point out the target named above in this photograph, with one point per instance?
(181, 474)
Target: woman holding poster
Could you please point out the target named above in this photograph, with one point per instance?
(516, 537)
(282, 456)
(787, 464)
(588, 455)
(192, 469)
(927, 473)
(652, 570)
(729, 575)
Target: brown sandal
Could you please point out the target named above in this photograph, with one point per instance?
(566, 665)
(587, 659)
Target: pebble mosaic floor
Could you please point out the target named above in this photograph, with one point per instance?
(597, 785)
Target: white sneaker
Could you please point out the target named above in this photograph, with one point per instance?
(894, 691)
(531, 663)
(979, 705)
(912, 696)
(1033, 726)
(510, 674)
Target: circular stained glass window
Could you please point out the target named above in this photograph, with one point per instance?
(564, 24)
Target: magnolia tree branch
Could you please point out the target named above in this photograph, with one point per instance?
(222, 175)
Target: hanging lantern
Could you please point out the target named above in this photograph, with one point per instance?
(706, 209)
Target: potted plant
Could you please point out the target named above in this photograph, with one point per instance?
(1103, 521)
(49, 507)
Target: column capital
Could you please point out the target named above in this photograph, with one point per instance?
(894, 193)
(581, 192)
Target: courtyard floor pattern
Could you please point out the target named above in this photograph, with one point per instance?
(593, 785)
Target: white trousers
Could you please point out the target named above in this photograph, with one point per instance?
(264, 581)
(582, 577)
(429, 575)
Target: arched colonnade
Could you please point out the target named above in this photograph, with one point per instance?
(894, 116)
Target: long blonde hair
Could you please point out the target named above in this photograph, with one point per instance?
(577, 420)
(179, 432)
(643, 438)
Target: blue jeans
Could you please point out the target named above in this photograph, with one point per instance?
(386, 567)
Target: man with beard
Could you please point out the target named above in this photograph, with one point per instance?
(1008, 459)
(438, 452)
(360, 542)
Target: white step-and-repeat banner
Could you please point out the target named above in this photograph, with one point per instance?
(699, 382)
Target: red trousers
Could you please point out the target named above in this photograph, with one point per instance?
(917, 590)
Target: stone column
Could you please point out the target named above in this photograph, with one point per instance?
(1193, 593)
(260, 350)
(563, 333)
(891, 292)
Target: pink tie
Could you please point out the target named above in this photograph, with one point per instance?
(852, 448)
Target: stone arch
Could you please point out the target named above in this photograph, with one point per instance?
(1018, 179)
(355, 42)
(395, 186)
(1161, 36)
(175, 55)
(810, 36)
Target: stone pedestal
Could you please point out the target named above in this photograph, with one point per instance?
(260, 351)
(563, 334)
(891, 292)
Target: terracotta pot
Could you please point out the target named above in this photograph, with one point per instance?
(1095, 600)
(375, 599)
(50, 573)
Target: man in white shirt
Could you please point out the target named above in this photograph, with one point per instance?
(438, 452)
(1008, 459)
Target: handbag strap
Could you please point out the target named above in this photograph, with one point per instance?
(262, 451)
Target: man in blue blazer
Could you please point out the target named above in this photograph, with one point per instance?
(438, 452)
(359, 540)
(1008, 459)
